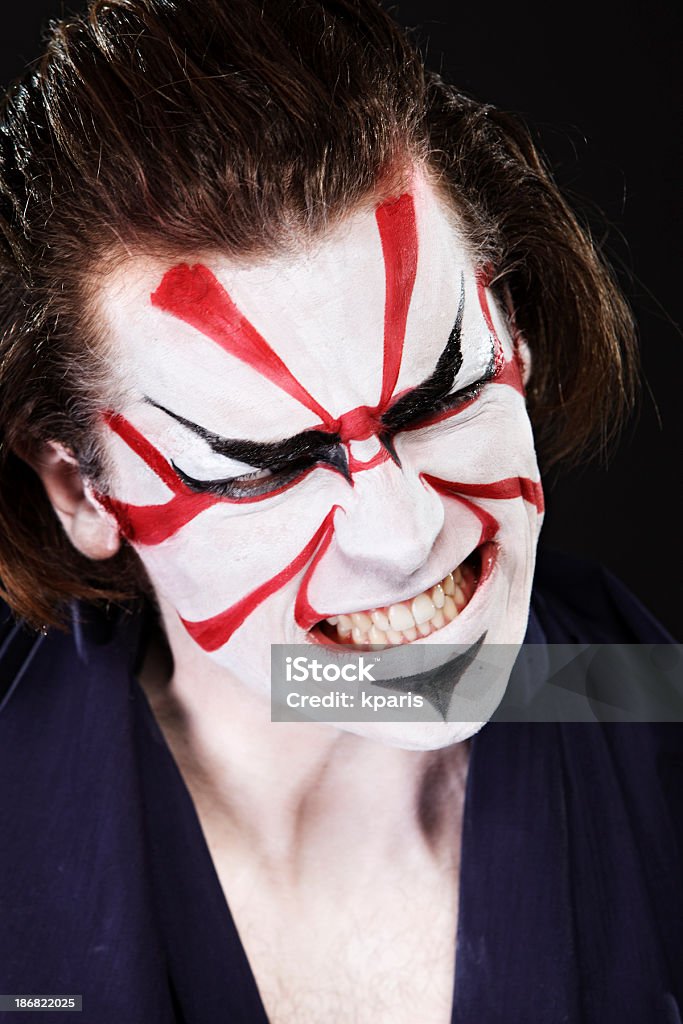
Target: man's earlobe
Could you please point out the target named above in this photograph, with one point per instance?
(89, 527)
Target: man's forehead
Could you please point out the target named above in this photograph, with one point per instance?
(322, 312)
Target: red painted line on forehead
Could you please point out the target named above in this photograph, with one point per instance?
(213, 632)
(398, 234)
(510, 487)
(358, 424)
(193, 294)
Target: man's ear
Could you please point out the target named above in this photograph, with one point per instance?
(91, 529)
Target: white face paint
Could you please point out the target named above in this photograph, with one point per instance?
(254, 545)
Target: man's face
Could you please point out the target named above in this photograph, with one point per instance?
(328, 447)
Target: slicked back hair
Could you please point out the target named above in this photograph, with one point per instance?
(244, 126)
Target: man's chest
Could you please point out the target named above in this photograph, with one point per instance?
(388, 958)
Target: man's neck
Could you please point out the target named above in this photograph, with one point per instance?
(303, 797)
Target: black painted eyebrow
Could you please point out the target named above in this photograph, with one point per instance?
(323, 446)
(310, 444)
(423, 398)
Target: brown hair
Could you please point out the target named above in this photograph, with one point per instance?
(199, 124)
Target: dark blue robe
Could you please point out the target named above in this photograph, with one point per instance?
(571, 890)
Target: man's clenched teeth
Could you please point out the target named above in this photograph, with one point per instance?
(408, 620)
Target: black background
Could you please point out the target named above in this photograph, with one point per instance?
(598, 84)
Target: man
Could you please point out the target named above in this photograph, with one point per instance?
(280, 311)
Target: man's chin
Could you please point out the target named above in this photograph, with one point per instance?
(413, 735)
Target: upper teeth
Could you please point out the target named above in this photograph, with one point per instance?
(406, 620)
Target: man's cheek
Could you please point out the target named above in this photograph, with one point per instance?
(224, 554)
(491, 441)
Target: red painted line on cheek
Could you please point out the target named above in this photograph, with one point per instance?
(398, 234)
(151, 524)
(213, 632)
(510, 487)
(193, 294)
(305, 614)
(139, 444)
(489, 524)
(511, 374)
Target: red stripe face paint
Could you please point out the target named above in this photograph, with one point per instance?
(215, 631)
(512, 487)
(327, 342)
(194, 295)
(396, 223)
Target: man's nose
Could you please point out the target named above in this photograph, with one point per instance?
(390, 520)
